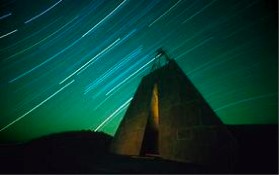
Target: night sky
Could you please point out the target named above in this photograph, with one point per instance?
(75, 64)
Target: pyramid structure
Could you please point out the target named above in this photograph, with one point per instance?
(169, 118)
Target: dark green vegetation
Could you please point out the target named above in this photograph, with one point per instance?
(86, 152)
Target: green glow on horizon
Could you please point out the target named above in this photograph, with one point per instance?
(228, 49)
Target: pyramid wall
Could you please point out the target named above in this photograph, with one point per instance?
(189, 130)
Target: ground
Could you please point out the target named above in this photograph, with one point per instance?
(86, 152)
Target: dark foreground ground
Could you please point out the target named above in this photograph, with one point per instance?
(86, 152)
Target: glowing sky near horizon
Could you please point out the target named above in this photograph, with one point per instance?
(75, 65)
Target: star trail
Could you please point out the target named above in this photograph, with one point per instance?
(69, 65)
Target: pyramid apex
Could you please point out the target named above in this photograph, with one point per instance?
(158, 63)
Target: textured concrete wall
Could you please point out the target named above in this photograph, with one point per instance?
(129, 136)
(189, 130)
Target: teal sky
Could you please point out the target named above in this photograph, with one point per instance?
(75, 65)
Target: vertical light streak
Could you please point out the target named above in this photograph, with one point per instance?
(129, 77)
(198, 12)
(42, 13)
(245, 100)
(113, 114)
(29, 36)
(194, 47)
(37, 106)
(95, 26)
(165, 13)
(105, 52)
(101, 103)
(37, 43)
(87, 63)
(112, 70)
(5, 16)
(44, 62)
(9, 33)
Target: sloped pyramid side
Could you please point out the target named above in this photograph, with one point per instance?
(129, 136)
(189, 130)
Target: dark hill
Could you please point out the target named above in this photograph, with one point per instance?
(86, 152)
(67, 152)
(258, 151)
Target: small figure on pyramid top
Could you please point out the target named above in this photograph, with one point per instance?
(159, 54)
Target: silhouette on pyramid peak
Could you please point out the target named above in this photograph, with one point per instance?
(158, 63)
